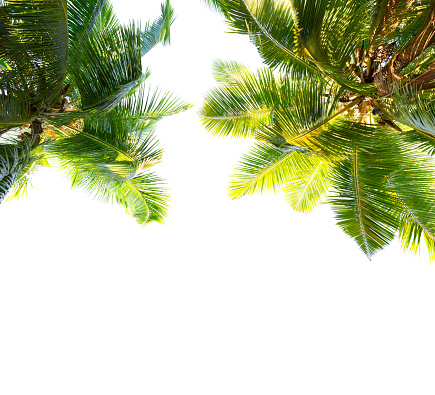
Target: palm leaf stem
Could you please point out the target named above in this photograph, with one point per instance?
(115, 98)
(301, 196)
(229, 117)
(267, 169)
(358, 201)
(137, 192)
(102, 142)
(363, 112)
(352, 104)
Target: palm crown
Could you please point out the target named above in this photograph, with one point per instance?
(73, 95)
(344, 112)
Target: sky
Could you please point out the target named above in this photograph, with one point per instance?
(227, 297)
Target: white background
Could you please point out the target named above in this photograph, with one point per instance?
(228, 297)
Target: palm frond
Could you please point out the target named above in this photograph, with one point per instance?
(412, 182)
(242, 104)
(35, 46)
(144, 195)
(159, 30)
(230, 72)
(416, 18)
(280, 29)
(334, 138)
(417, 215)
(14, 156)
(110, 156)
(15, 104)
(412, 108)
(266, 168)
(141, 106)
(308, 185)
(106, 64)
(363, 206)
(270, 27)
(82, 15)
(107, 144)
(418, 43)
(23, 179)
(309, 114)
(148, 105)
(329, 32)
(387, 16)
(294, 108)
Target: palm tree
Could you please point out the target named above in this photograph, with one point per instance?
(344, 112)
(73, 95)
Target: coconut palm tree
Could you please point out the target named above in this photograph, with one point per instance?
(343, 113)
(74, 95)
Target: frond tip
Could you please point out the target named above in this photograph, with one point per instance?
(159, 30)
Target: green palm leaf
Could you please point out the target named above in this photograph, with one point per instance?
(110, 178)
(15, 105)
(270, 27)
(14, 156)
(147, 106)
(242, 104)
(23, 179)
(159, 30)
(417, 224)
(329, 32)
(266, 168)
(308, 185)
(309, 114)
(75, 70)
(363, 207)
(213, 4)
(143, 196)
(110, 157)
(388, 18)
(106, 64)
(346, 106)
(295, 108)
(286, 34)
(34, 44)
(412, 182)
(82, 15)
(412, 108)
